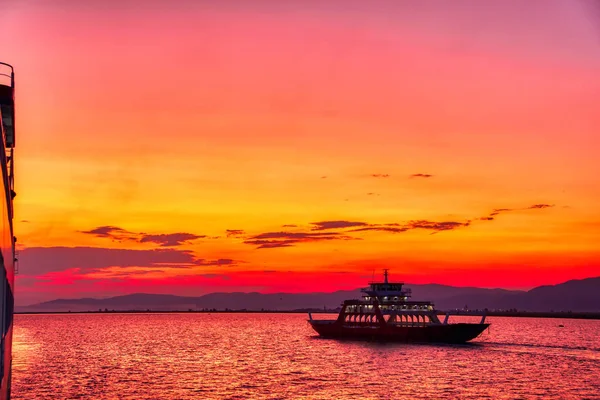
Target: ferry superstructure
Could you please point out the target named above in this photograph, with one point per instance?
(385, 312)
(7, 239)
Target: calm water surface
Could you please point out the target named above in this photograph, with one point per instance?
(277, 356)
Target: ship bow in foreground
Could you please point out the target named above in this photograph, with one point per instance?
(7, 239)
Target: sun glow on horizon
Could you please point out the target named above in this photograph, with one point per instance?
(262, 146)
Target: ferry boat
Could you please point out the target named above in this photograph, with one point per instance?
(386, 313)
(7, 239)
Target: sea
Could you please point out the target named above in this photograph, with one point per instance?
(278, 356)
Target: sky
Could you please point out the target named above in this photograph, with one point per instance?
(298, 146)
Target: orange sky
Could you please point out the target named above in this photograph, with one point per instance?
(147, 131)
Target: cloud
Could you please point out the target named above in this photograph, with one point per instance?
(437, 226)
(343, 230)
(538, 206)
(390, 227)
(220, 262)
(271, 240)
(170, 239)
(110, 273)
(39, 260)
(420, 224)
(43, 260)
(214, 276)
(162, 239)
(289, 226)
(380, 175)
(108, 231)
(271, 244)
(421, 176)
(235, 232)
(324, 225)
(294, 235)
(381, 229)
(497, 211)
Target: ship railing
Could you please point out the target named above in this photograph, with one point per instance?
(7, 75)
(398, 293)
(7, 103)
(9, 154)
(7, 126)
(483, 315)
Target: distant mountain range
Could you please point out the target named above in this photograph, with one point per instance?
(575, 295)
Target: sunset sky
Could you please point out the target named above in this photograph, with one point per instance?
(187, 147)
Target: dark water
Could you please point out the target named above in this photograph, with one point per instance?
(276, 356)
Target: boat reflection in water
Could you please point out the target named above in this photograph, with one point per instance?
(385, 313)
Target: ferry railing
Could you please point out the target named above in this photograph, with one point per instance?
(7, 102)
(483, 315)
(7, 131)
(10, 75)
(7, 120)
(9, 154)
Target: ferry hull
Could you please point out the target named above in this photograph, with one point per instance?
(442, 333)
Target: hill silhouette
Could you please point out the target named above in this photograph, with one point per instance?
(575, 295)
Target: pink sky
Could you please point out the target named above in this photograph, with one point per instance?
(145, 126)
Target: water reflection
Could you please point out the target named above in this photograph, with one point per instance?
(191, 356)
(26, 347)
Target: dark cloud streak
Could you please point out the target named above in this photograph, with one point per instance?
(339, 229)
(270, 240)
(162, 239)
(324, 225)
(170, 239)
(539, 206)
(498, 211)
(235, 232)
(43, 260)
